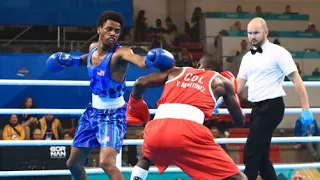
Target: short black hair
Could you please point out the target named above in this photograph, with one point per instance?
(110, 15)
(212, 61)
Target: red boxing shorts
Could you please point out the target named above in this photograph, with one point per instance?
(187, 144)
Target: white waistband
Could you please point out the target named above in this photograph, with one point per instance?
(180, 111)
(107, 103)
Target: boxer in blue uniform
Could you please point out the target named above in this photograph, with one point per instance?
(103, 124)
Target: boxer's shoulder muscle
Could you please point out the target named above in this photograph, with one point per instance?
(92, 45)
(218, 86)
(174, 72)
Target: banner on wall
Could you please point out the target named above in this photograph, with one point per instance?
(62, 12)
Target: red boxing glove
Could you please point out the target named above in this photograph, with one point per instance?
(230, 76)
(137, 112)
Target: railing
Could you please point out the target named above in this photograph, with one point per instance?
(73, 45)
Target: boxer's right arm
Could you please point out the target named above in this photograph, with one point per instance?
(57, 62)
(137, 110)
(232, 103)
(151, 80)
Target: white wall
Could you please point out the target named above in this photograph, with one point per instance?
(159, 8)
(154, 9)
(310, 7)
(214, 25)
(230, 44)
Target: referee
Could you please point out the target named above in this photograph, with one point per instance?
(264, 68)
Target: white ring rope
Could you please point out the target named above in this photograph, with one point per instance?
(152, 111)
(130, 141)
(15, 82)
(129, 169)
(139, 141)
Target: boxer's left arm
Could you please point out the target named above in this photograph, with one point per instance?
(128, 55)
(156, 58)
(150, 80)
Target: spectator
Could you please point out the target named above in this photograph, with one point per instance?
(287, 9)
(13, 130)
(312, 130)
(158, 29)
(311, 27)
(50, 127)
(297, 175)
(171, 33)
(236, 26)
(195, 20)
(216, 134)
(239, 9)
(244, 48)
(125, 158)
(67, 135)
(37, 134)
(185, 58)
(259, 10)
(141, 27)
(135, 151)
(157, 40)
(316, 72)
(28, 121)
(129, 36)
(277, 42)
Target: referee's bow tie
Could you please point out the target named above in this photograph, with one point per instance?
(254, 51)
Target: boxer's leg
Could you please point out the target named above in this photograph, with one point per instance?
(238, 176)
(76, 161)
(201, 157)
(153, 151)
(84, 141)
(141, 169)
(110, 131)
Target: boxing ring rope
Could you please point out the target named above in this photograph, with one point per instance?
(19, 82)
(152, 111)
(279, 140)
(131, 141)
(129, 169)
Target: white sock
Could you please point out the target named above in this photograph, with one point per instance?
(138, 173)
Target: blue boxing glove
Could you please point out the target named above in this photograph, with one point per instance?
(160, 59)
(57, 62)
(306, 117)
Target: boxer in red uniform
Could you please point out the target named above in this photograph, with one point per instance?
(177, 134)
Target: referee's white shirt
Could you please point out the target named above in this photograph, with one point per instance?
(265, 72)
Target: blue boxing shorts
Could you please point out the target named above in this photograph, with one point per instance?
(101, 128)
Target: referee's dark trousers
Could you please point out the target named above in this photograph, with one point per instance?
(265, 117)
